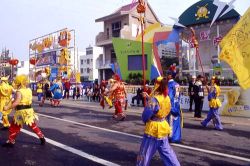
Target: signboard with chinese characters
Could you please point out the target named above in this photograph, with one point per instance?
(205, 35)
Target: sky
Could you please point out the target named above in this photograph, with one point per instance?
(24, 20)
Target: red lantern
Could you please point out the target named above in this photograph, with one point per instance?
(13, 62)
(33, 61)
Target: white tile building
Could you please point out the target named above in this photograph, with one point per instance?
(88, 68)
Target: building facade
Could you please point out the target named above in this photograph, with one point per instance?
(88, 66)
(23, 68)
(123, 23)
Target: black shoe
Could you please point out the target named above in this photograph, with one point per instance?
(8, 145)
(42, 141)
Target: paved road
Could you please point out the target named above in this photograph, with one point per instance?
(80, 133)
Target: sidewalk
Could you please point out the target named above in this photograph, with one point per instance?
(138, 110)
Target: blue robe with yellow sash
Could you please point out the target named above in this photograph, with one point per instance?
(214, 104)
(156, 133)
(175, 116)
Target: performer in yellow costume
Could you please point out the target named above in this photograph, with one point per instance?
(157, 128)
(5, 99)
(214, 105)
(24, 112)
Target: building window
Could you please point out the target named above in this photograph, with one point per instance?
(135, 62)
(107, 33)
(116, 28)
(87, 61)
(81, 70)
(81, 62)
(88, 70)
(116, 25)
(89, 52)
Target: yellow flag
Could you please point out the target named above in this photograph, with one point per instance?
(78, 77)
(236, 49)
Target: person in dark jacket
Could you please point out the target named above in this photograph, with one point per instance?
(191, 92)
(198, 96)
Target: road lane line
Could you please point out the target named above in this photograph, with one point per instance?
(90, 126)
(137, 136)
(73, 150)
(212, 152)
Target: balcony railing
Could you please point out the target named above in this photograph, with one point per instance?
(103, 38)
(106, 65)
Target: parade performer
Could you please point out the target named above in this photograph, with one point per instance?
(214, 104)
(5, 99)
(175, 117)
(157, 128)
(104, 91)
(110, 97)
(39, 90)
(119, 93)
(24, 113)
(56, 90)
(46, 93)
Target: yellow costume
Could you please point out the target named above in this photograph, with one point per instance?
(39, 88)
(215, 102)
(159, 128)
(5, 99)
(25, 116)
(24, 113)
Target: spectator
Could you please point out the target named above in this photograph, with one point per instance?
(191, 92)
(67, 88)
(198, 96)
(96, 93)
(137, 97)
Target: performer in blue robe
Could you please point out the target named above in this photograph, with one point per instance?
(56, 90)
(214, 104)
(157, 129)
(175, 116)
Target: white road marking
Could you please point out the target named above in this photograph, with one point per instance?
(137, 136)
(72, 150)
(90, 126)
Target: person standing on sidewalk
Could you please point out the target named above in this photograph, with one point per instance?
(191, 93)
(66, 89)
(24, 112)
(157, 128)
(198, 96)
(214, 104)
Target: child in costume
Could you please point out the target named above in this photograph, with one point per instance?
(39, 90)
(214, 104)
(46, 93)
(5, 99)
(157, 128)
(103, 93)
(119, 94)
(24, 112)
(56, 90)
(110, 97)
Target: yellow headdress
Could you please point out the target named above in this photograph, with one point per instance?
(157, 84)
(21, 80)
